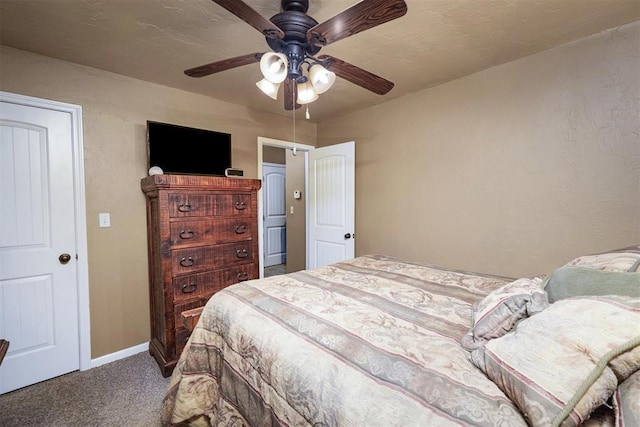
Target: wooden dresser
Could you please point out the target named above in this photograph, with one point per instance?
(202, 237)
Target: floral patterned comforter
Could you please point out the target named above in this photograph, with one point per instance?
(372, 341)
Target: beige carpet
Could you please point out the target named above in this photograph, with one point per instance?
(275, 270)
(127, 392)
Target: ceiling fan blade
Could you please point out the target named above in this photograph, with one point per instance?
(356, 75)
(251, 17)
(360, 17)
(290, 94)
(226, 64)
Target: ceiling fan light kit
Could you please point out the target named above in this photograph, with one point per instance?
(274, 67)
(295, 38)
(321, 78)
(306, 93)
(269, 88)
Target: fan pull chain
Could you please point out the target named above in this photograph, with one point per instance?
(293, 115)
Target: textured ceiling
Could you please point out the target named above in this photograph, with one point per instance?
(436, 41)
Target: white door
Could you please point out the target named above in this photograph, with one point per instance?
(38, 289)
(331, 204)
(275, 215)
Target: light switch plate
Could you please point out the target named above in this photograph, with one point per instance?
(104, 219)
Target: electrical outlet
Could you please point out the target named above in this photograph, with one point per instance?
(104, 219)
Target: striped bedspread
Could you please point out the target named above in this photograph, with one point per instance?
(372, 341)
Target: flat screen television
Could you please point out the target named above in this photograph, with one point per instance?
(184, 150)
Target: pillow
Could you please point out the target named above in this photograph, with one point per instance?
(601, 417)
(572, 281)
(627, 259)
(626, 402)
(561, 364)
(499, 311)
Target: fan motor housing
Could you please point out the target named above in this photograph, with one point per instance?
(297, 5)
(294, 25)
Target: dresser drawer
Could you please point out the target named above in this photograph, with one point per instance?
(182, 336)
(206, 204)
(207, 283)
(184, 306)
(191, 260)
(210, 231)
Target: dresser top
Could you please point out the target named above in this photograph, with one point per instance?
(157, 182)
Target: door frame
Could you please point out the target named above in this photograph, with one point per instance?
(79, 211)
(304, 149)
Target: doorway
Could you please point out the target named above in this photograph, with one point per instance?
(320, 204)
(294, 239)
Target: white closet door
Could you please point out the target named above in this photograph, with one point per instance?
(275, 215)
(38, 282)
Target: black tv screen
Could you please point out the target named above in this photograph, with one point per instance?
(184, 150)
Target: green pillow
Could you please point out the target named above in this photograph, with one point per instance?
(570, 281)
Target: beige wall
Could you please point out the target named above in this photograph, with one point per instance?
(296, 221)
(513, 170)
(273, 155)
(115, 111)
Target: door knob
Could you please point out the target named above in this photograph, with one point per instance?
(64, 258)
(347, 236)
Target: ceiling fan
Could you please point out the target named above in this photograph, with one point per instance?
(296, 38)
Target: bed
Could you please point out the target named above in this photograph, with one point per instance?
(379, 341)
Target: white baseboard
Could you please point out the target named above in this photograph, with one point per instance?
(107, 358)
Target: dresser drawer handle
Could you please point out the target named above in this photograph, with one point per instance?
(189, 288)
(186, 234)
(240, 229)
(241, 206)
(187, 262)
(242, 253)
(243, 276)
(184, 207)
